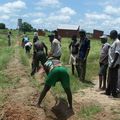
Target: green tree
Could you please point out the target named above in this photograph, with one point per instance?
(2, 26)
(26, 27)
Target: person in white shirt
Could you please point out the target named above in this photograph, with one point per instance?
(114, 63)
(56, 47)
(28, 47)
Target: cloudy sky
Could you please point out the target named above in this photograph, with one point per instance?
(89, 14)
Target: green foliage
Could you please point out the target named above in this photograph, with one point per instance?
(2, 26)
(24, 57)
(5, 56)
(87, 112)
(26, 27)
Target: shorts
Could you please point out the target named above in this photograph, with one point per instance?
(103, 69)
(72, 59)
(58, 74)
(40, 56)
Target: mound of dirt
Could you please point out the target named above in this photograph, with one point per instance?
(21, 112)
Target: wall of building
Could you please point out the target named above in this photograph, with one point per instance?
(97, 34)
(67, 33)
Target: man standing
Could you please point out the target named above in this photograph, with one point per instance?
(114, 63)
(9, 38)
(73, 47)
(103, 62)
(56, 47)
(82, 55)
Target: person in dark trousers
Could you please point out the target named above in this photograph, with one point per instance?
(73, 48)
(114, 64)
(103, 62)
(82, 55)
(39, 55)
(9, 38)
(56, 73)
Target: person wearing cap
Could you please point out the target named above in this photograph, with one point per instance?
(56, 47)
(114, 64)
(103, 62)
(82, 55)
(55, 73)
(73, 48)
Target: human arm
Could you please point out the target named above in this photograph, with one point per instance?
(46, 49)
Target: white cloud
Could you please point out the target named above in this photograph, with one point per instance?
(12, 6)
(4, 17)
(112, 10)
(97, 16)
(49, 3)
(51, 20)
(67, 11)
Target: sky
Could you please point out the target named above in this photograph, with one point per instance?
(50, 14)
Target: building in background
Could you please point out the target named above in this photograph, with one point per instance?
(41, 32)
(97, 34)
(68, 30)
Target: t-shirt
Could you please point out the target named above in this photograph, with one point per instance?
(28, 44)
(25, 40)
(56, 48)
(84, 46)
(50, 64)
(104, 53)
(115, 48)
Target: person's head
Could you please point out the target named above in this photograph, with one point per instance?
(82, 33)
(103, 39)
(56, 34)
(51, 37)
(119, 36)
(113, 34)
(74, 38)
(35, 33)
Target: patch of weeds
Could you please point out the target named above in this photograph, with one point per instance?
(4, 81)
(2, 98)
(87, 112)
(23, 58)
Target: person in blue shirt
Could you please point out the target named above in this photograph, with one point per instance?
(83, 52)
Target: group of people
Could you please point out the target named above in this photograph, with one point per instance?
(110, 58)
(51, 63)
(79, 50)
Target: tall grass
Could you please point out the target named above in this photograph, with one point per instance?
(87, 112)
(23, 57)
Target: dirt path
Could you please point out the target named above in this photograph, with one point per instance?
(18, 105)
(111, 106)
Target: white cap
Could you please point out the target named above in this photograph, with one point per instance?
(103, 37)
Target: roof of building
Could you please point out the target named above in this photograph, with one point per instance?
(68, 27)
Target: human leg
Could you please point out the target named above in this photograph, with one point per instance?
(69, 97)
(72, 69)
